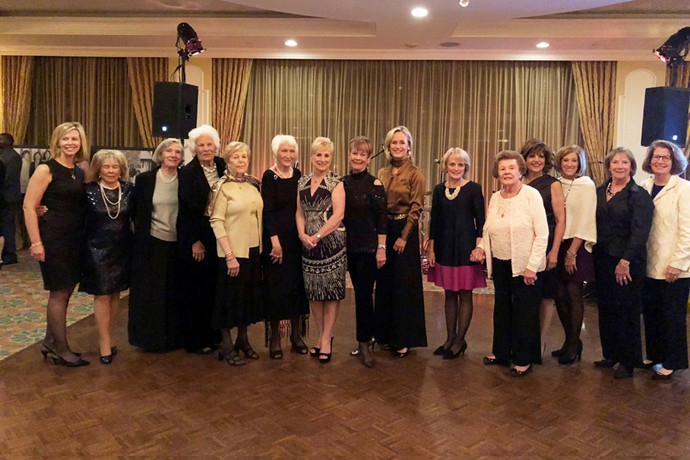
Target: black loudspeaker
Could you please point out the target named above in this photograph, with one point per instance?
(665, 115)
(174, 109)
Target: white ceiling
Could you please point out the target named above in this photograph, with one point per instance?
(345, 29)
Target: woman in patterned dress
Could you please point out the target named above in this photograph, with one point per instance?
(320, 211)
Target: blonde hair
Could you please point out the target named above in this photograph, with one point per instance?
(234, 146)
(462, 154)
(389, 138)
(581, 159)
(60, 131)
(321, 142)
(97, 163)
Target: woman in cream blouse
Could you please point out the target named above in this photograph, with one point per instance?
(514, 246)
(668, 260)
(236, 208)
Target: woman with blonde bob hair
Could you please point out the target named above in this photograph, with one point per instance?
(235, 209)
(320, 211)
(400, 320)
(457, 219)
(56, 236)
(107, 250)
(666, 288)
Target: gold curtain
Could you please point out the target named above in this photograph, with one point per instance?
(17, 73)
(143, 73)
(596, 91)
(92, 91)
(481, 106)
(229, 88)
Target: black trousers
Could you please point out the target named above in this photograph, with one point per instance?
(619, 311)
(8, 217)
(362, 268)
(516, 316)
(665, 322)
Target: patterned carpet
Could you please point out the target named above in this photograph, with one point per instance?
(23, 306)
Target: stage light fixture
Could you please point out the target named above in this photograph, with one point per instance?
(675, 48)
(190, 40)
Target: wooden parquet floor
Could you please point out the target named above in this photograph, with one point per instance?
(182, 405)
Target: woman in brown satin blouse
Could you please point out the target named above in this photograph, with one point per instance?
(399, 297)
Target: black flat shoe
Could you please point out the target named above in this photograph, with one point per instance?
(439, 351)
(517, 373)
(450, 354)
(623, 372)
(106, 359)
(493, 361)
(399, 354)
(605, 363)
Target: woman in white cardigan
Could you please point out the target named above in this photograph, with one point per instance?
(575, 262)
(668, 260)
(514, 246)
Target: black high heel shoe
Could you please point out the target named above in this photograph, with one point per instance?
(518, 373)
(248, 351)
(440, 351)
(326, 357)
(231, 357)
(60, 361)
(400, 354)
(570, 359)
(449, 354)
(299, 348)
(45, 351)
(558, 353)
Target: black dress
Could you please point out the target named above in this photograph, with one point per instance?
(283, 283)
(107, 250)
(548, 278)
(325, 265)
(61, 227)
(193, 225)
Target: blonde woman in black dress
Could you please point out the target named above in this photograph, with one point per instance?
(56, 236)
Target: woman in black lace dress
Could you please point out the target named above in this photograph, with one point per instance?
(107, 250)
(281, 259)
(56, 237)
(320, 209)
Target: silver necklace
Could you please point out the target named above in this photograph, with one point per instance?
(109, 203)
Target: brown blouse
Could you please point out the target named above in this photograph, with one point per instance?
(405, 193)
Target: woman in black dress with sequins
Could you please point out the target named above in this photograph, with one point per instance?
(56, 237)
(107, 250)
(285, 298)
(366, 221)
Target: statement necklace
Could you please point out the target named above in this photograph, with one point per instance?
(454, 194)
(209, 169)
(109, 203)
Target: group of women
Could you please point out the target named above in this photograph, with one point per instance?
(217, 249)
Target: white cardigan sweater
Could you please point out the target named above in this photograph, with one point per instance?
(529, 231)
(669, 239)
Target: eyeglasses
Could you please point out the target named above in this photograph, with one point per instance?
(663, 158)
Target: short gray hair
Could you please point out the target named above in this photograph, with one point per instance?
(281, 139)
(157, 156)
(203, 130)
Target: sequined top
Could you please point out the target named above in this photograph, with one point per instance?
(404, 193)
(365, 212)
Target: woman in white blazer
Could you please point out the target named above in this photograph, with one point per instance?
(668, 260)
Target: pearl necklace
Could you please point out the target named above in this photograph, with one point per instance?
(454, 194)
(165, 178)
(276, 170)
(209, 169)
(109, 203)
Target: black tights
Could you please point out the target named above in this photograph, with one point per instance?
(226, 338)
(56, 328)
(571, 308)
(295, 337)
(459, 310)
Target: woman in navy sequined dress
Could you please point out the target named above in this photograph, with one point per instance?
(107, 250)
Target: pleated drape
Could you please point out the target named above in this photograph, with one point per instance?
(17, 74)
(229, 87)
(143, 73)
(596, 91)
(481, 106)
(92, 91)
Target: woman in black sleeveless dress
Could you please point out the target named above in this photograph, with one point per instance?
(107, 249)
(56, 236)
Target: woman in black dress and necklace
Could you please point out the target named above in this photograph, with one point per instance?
(284, 294)
(56, 237)
(155, 316)
(457, 220)
(196, 240)
(107, 252)
(366, 221)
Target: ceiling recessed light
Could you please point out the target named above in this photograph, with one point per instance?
(543, 45)
(419, 12)
(290, 43)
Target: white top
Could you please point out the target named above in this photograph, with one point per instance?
(669, 238)
(580, 210)
(523, 218)
(164, 214)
